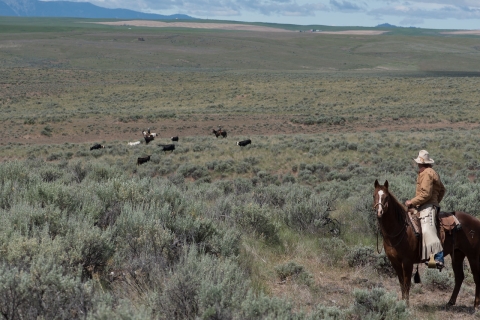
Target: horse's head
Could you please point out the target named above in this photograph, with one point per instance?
(380, 198)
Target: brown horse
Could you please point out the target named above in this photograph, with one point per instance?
(402, 247)
(219, 132)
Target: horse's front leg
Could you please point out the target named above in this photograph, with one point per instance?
(397, 265)
(407, 267)
(457, 266)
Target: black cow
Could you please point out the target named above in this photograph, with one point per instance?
(149, 138)
(142, 160)
(167, 147)
(96, 146)
(244, 143)
(174, 138)
(219, 132)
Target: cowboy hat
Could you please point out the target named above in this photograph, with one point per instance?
(423, 157)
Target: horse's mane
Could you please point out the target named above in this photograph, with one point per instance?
(399, 208)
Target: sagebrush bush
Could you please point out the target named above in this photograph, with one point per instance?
(305, 211)
(360, 256)
(43, 290)
(435, 280)
(194, 171)
(295, 271)
(202, 286)
(378, 304)
(257, 219)
(333, 250)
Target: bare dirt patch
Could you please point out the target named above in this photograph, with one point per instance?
(229, 26)
(194, 25)
(110, 129)
(355, 32)
(463, 32)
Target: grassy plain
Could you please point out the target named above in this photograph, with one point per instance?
(327, 114)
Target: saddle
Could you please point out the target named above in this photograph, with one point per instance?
(445, 222)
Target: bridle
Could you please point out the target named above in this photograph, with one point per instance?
(380, 204)
(384, 207)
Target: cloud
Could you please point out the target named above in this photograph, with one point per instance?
(345, 6)
(409, 10)
(430, 9)
(212, 8)
(459, 3)
(286, 8)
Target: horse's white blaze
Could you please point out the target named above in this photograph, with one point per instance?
(380, 194)
(380, 208)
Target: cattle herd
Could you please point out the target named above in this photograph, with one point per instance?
(150, 136)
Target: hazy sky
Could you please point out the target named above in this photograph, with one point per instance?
(435, 14)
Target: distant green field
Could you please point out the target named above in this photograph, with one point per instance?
(86, 45)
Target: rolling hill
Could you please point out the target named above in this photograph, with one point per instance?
(35, 8)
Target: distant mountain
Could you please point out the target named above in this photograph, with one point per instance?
(35, 8)
(386, 25)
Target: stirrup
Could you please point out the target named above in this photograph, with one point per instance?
(432, 264)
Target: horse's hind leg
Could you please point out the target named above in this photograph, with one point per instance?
(475, 267)
(457, 266)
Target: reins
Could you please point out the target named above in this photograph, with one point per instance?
(389, 236)
(384, 234)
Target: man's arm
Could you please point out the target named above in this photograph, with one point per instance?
(441, 192)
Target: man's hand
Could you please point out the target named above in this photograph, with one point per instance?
(408, 203)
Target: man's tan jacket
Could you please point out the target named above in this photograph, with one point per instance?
(430, 189)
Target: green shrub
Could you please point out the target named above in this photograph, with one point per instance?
(270, 195)
(306, 212)
(333, 250)
(288, 178)
(295, 271)
(55, 156)
(383, 265)
(242, 186)
(51, 174)
(191, 170)
(202, 287)
(434, 280)
(43, 290)
(377, 304)
(143, 240)
(101, 172)
(260, 307)
(29, 121)
(360, 256)
(256, 219)
(47, 131)
(242, 167)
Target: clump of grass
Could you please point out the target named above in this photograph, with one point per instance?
(47, 131)
(295, 271)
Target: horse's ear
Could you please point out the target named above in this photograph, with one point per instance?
(376, 183)
(386, 184)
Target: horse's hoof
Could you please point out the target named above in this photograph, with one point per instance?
(449, 304)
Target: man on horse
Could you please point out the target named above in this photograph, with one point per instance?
(428, 194)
